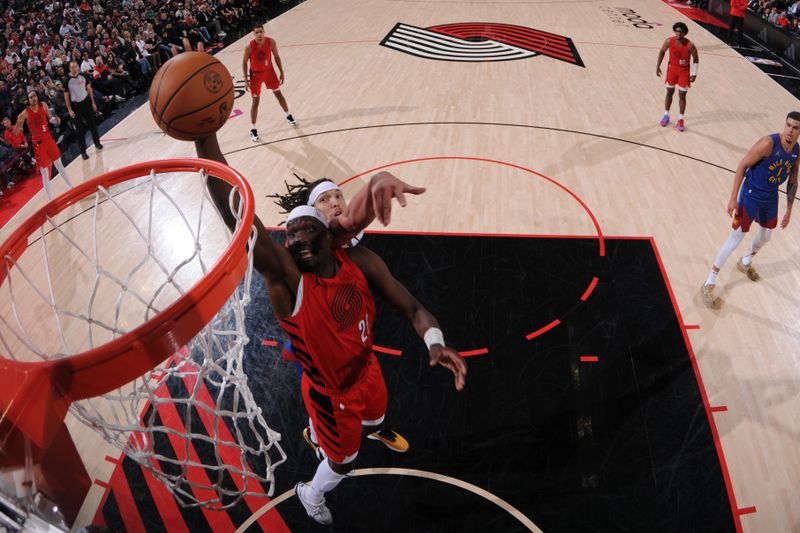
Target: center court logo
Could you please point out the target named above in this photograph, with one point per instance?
(628, 17)
(480, 42)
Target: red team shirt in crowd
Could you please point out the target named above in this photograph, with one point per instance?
(678, 68)
(261, 69)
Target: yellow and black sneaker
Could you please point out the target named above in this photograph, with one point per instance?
(391, 439)
(318, 453)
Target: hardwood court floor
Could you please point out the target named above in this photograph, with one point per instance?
(591, 131)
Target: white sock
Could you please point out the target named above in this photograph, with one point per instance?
(734, 239)
(712, 278)
(680, 117)
(762, 237)
(325, 480)
(45, 172)
(312, 433)
(666, 113)
(288, 113)
(62, 171)
(252, 126)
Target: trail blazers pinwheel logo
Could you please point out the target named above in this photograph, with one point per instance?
(480, 41)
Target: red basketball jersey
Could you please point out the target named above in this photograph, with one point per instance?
(260, 56)
(37, 123)
(331, 331)
(678, 53)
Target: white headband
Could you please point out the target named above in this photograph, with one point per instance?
(320, 189)
(306, 211)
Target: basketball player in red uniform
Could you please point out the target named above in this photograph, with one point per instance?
(679, 72)
(321, 294)
(260, 53)
(45, 149)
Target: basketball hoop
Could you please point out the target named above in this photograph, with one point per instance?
(151, 272)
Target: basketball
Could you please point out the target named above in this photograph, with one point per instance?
(191, 96)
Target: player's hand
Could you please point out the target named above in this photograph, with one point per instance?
(94, 107)
(282, 78)
(386, 186)
(733, 208)
(785, 219)
(658, 71)
(246, 84)
(451, 360)
(692, 78)
(72, 114)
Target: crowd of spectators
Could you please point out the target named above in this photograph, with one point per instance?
(783, 14)
(118, 44)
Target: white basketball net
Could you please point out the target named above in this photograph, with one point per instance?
(107, 265)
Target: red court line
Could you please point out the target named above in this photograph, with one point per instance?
(470, 353)
(691, 326)
(543, 330)
(170, 418)
(589, 359)
(114, 460)
(719, 409)
(712, 424)
(271, 522)
(590, 288)
(165, 503)
(600, 237)
(269, 343)
(125, 502)
(101, 484)
(746, 510)
(387, 351)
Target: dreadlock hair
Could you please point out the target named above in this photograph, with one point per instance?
(296, 194)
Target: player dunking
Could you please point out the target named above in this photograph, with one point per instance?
(260, 53)
(45, 149)
(754, 198)
(321, 294)
(679, 72)
(328, 198)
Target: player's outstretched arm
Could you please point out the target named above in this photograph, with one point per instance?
(372, 201)
(270, 259)
(427, 327)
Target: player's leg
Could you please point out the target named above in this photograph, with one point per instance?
(768, 219)
(337, 420)
(45, 172)
(680, 125)
(54, 154)
(741, 225)
(282, 102)
(667, 103)
(373, 423)
(255, 91)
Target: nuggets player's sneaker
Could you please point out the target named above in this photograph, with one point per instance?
(290, 119)
(254, 135)
(680, 125)
(391, 439)
(664, 120)
(748, 270)
(708, 296)
(318, 511)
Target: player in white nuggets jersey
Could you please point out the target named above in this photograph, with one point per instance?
(754, 198)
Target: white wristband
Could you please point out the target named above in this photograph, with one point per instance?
(693, 69)
(433, 336)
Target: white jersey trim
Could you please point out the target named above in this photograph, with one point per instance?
(299, 299)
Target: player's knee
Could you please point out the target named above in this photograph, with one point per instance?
(341, 468)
